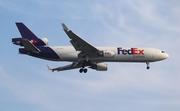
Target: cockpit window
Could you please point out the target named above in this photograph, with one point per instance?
(162, 51)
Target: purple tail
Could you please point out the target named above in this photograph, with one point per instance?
(28, 35)
(25, 32)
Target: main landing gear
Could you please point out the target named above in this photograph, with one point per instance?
(147, 63)
(83, 70)
(84, 64)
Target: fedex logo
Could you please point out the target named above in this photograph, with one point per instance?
(33, 41)
(132, 51)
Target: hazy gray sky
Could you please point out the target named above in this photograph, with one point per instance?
(26, 84)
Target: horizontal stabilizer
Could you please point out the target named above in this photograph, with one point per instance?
(29, 46)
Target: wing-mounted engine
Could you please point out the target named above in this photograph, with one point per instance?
(36, 42)
(99, 67)
(107, 54)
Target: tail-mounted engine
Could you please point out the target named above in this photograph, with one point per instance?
(107, 54)
(37, 42)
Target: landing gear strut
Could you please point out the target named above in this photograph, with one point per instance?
(83, 70)
(147, 63)
(84, 64)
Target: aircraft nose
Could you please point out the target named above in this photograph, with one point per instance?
(166, 56)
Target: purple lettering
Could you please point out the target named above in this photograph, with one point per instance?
(119, 50)
(124, 51)
(131, 51)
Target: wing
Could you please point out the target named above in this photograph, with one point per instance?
(67, 67)
(87, 50)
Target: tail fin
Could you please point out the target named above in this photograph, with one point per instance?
(28, 35)
(25, 32)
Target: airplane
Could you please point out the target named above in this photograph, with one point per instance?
(82, 54)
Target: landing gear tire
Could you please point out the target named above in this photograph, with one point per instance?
(148, 67)
(83, 70)
(80, 70)
(147, 63)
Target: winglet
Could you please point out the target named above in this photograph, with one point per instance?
(65, 27)
(50, 68)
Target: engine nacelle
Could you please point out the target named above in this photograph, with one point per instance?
(37, 42)
(107, 54)
(100, 67)
(45, 40)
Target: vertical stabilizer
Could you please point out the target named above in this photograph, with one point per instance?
(25, 32)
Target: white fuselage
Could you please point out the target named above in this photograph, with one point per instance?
(121, 54)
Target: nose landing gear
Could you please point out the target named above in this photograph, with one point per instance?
(148, 67)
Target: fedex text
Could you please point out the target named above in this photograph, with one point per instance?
(131, 51)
